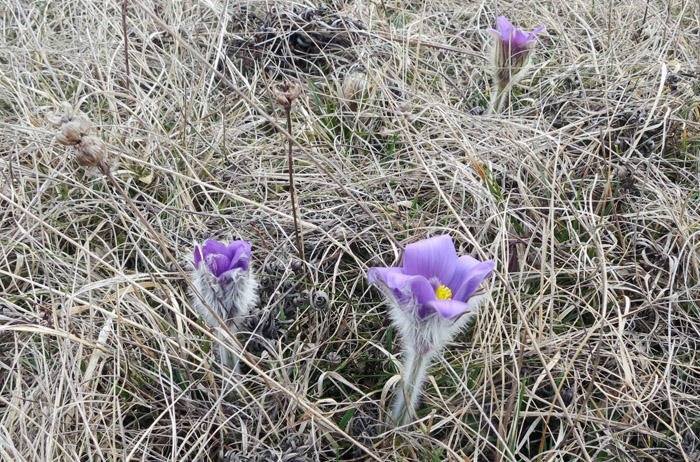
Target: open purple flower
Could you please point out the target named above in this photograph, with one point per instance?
(510, 55)
(224, 278)
(433, 280)
(430, 298)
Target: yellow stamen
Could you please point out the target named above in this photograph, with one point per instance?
(443, 293)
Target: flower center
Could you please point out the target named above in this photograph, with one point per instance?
(443, 293)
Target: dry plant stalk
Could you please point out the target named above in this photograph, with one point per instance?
(285, 94)
(127, 84)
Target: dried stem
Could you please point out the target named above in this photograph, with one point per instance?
(126, 47)
(297, 230)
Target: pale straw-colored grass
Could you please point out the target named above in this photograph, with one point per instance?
(584, 190)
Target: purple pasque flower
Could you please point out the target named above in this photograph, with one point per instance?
(221, 258)
(222, 275)
(516, 39)
(511, 52)
(433, 284)
(430, 300)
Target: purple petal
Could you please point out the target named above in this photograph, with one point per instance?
(464, 265)
(197, 256)
(217, 263)
(402, 284)
(534, 32)
(519, 41)
(211, 246)
(474, 276)
(214, 254)
(239, 254)
(505, 27)
(434, 257)
(448, 309)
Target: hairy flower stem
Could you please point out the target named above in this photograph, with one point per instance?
(498, 98)
(297, 229)
(416, 365)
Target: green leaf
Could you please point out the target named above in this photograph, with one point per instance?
(346, 418)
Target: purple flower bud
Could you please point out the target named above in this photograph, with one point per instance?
(221, 258)
(511, 52)
(224, 278)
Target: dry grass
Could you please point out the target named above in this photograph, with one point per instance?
(585, 191)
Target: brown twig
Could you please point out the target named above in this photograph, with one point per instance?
(285, 94)
(297, 229)
(126, 46)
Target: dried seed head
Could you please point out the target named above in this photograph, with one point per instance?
(91, 151)
(74, 128)
(67, 140)
(57, 119)
(285, 93)
(73, 131)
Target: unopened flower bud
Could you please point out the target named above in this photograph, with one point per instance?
(356, 87)
(223, 277)
(83, 124)
(510, 55)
